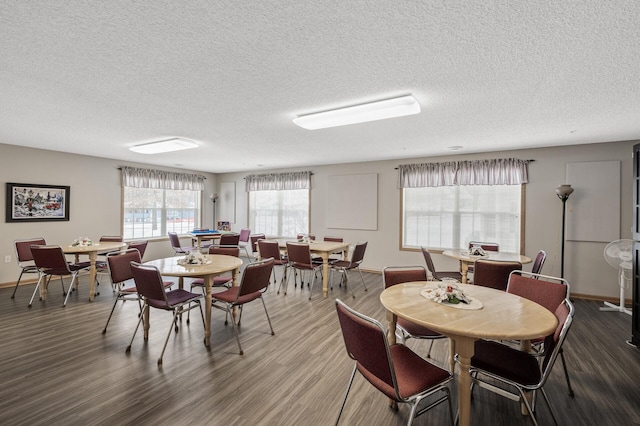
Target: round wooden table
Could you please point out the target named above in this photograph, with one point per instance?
(503, 316)
(92, 251)
(219, 264)
(498, 256)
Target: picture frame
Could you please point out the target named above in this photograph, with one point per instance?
(26, 202)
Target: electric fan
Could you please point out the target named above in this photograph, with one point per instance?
(618, 254)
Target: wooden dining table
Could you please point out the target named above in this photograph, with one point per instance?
(502, 316)
(198, 237)
(498, 256)
(220, 264)
(323, 249)
(92, 251)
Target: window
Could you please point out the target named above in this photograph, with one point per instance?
(279, 203)
(156, 202)
(279, 213)
(155, 212)
(451, 216)
(446, 205)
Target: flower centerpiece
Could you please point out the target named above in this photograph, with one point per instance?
(82, 241)
(477, 251)
(194, 258)
(448, 292)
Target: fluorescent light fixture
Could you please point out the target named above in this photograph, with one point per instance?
(372, 111)
(175, 144)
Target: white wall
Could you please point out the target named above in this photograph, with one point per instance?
(585, 266)
(96, 200)
(95, 196)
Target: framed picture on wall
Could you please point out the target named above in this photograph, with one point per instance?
(36, 203)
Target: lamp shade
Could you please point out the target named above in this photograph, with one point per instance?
(563, 191)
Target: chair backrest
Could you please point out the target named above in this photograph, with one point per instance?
(119, 264)
(538, 262)
(50, 257)
(299, 253)
(366, 342)
(111, 238)
(228, 251)
(553, 343)
(229, 239)
(141, 246)
(174, 240)
(544, 290)
(358, 253)
(256, 277)
(148, 282)
(244, 235)
(269, 248)
(23, 248)
(254, 240)
(489, 273)
(333, 239)
(392, 275)
(429, 261)
(485, 246)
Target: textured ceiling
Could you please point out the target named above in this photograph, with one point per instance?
(97, 77)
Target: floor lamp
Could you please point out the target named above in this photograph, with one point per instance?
(214, 198)
(563, 192)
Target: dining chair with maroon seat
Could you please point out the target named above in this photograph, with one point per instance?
(439, 275)
(101, 264)
(141, 246)
(255, 281)
(395, 370)
(221, 280)
(392, 275)
(51, 261)
(486, 246)
(539, 262)
(497, 362)
(229, 240)
(271, 249)
(299, 255)
(244, 240)
(119, 266)
(25, 258)
(253, 238)
(312, 237)
(343, 266)
(546, 291)
(174, 239)
(490, 273)
(152, 289)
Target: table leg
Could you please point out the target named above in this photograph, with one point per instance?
(145, 322)
(325, 274)
(465, 347)
(452, 356)
(92, 274)
(392, 319)
(208, 283)
(464, 270)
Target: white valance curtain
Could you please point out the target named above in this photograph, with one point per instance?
(159, 179)
(278, 181)
(502, 171)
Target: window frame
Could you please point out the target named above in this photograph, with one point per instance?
(402, 247)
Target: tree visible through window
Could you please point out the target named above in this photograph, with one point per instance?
(279, 213)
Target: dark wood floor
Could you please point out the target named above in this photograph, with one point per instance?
(57, 368)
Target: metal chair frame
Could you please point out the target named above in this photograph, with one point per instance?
(25, 258)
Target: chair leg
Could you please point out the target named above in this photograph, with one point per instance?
(104, 330)
(268, 319)
(17, 284)
(144, 308)
(362, 278)
(346, 394)
(566, 374)
(74, 277)
(546, 399)
(36, 289)
(235, 328)
(313, 281)
(430, 347)
(173, 324)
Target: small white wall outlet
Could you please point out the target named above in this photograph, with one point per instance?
(7, 259)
